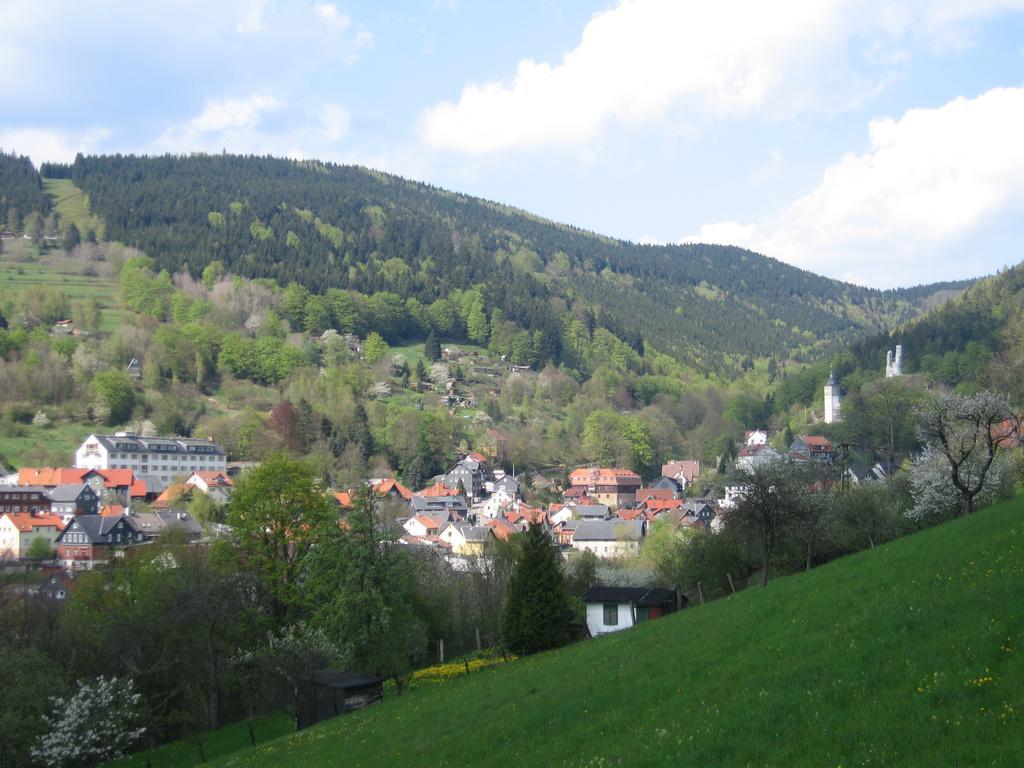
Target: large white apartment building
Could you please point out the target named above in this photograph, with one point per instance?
(157, 460)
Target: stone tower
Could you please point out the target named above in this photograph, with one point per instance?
(833, 402)
(894, 362)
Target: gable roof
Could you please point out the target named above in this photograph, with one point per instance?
(213, 478)
(816, 442)
(385, 487)
(438, 489)
(609, 530)
(642, 596)
(604, 476)
(172, 494)
(26, 522)
(688, 468)
(97, 528)
(66, 493)
(51, 476)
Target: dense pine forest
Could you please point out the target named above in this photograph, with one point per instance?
(327, 226)
(21, 190)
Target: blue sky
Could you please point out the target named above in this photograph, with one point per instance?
(876, 142)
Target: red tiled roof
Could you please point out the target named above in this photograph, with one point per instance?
(688, 468)
(427, 522)
(439, 489)
(213, 478)
(384, 487)
(817, 442)
(500, 528)
(26, 522)
(603, 476)
(654, 493)
(171, 494)
(630, 514)
(112, 510)
(51, 476)
(660, 505)
(344, 499)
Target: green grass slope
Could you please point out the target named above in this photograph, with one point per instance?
(73, 205)
(911, 654)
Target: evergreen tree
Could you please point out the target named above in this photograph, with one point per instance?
(432, 347)
(536, 615)
(72, 237)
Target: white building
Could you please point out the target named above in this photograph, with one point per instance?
(157, 460)
(19, 529)
(612, 609)
(833, 401)
(609, 538)
(894, 362)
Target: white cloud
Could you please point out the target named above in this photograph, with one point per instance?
(49, 145)
(252, 20)
(930, 179)
(335, 121)
(222, 123)
(729, 58)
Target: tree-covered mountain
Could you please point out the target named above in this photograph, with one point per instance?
(329, 226)
(21, 190)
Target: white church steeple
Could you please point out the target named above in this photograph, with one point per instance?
(833, 402)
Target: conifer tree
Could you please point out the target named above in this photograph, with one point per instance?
(432, 347)
(536, 615)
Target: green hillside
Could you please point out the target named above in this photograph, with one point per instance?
(329, 226)
(909, 654)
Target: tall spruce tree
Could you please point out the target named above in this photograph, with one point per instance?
(536, 615)
(432, 347)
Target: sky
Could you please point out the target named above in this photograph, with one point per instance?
(875, 142)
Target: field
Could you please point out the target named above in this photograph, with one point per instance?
(21, 267)
(911, 654)
(209, 746)
(70, 202)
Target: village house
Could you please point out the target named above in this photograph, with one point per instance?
(612, 609)
(751, 457)
(465, 539)
(34, 499)
(609, 538)
(70, 500)
(390, 488)
(110, 485)
(812, 448)
(590, 511)
(612, 486)
(19, 529)
(217, 485)
(91, 540)
(153, 525)
(469, 474)
(687, 470)
(448, 507)
(157, 460)
(423, 525)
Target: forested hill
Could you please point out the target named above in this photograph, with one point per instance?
(326, 225)
(21, 190)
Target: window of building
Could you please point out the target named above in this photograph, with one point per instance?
(611, 614)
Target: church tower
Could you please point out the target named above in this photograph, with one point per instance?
(833, 402)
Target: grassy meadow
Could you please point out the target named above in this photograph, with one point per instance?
(73, 205)
(911, 654)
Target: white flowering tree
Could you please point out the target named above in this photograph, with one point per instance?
(935, 496)
(968, 431)
(99, 722)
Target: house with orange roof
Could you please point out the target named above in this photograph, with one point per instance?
(423, 525)
(392, 488)
(613, 486)
(121, 483)
(171, 495)
(214, 483)
(438, 489)
(687, 470)
(812, 448)
(19, 529)
(344, 499)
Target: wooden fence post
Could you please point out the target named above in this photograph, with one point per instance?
(731, 585)
(440, 651)
(466, 663)
(700, 591)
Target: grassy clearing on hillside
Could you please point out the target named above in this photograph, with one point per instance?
(26, 445)
(21, 267)
(71, 203)
(228, 740)
(911, 654)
